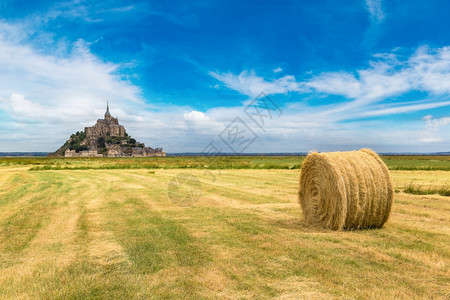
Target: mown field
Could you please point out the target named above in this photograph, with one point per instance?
(106, 228)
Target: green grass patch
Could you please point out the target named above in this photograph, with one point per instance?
(407, 163)
(151, 241)
(416, 189)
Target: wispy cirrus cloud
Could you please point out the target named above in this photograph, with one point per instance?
(401, 109)
(376, 17)
(427, 70)
(250, 84)
(374, 7)
(94, 12)
(367, 94)
(336, 83)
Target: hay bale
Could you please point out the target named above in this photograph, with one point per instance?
(345, 190)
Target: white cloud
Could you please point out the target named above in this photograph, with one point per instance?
(76, 78)
(277, 70)
(427, 70)
(374, 7)
(433, 131)
(336, 83)
(123, 9)
(83, 10)
(383, 79)
(196, 117)
(365, 94)
(60, 91)
(248, 83)
(435, 124)
(25, 109)
(199, 121)
(402, 109)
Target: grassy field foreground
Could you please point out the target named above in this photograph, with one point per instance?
(115, 234)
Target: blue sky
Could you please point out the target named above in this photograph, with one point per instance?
(344, 74)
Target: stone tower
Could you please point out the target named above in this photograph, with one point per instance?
(107, 113)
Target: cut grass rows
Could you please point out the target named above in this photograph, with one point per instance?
(244, 238)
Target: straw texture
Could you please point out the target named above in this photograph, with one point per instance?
(345, 190)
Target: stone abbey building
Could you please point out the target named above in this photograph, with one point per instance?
(106, 138)
(104, 127)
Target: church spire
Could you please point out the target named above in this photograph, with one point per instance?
(107, 113)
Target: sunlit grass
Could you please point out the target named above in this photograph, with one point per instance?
(114, 233)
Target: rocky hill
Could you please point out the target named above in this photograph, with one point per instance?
(106, 138)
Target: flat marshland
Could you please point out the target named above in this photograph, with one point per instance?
(106, 228)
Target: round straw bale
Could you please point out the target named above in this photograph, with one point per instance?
(345, 190)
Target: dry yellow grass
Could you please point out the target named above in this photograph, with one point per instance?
(115, 234)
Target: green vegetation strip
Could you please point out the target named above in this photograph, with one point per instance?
(416, 189)
(407, 163)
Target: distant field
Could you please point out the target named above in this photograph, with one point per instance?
(114, 233)
(260, 162)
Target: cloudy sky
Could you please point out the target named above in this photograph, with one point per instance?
(332, 75)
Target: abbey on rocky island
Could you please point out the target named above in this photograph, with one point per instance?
(106, 138)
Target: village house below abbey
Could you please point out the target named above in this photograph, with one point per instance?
(106, 138)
